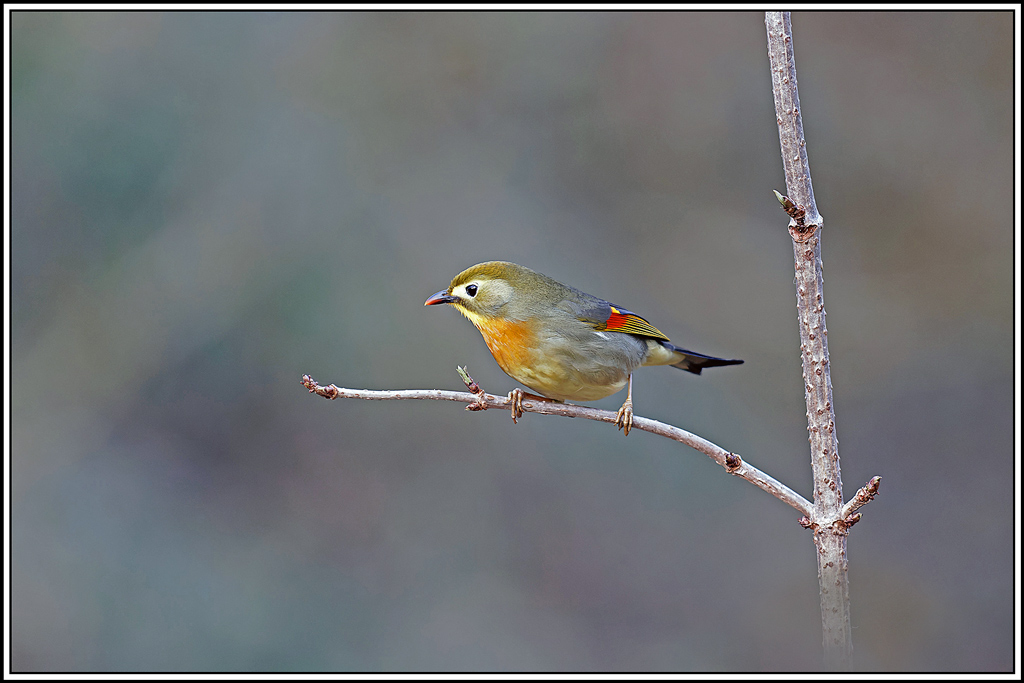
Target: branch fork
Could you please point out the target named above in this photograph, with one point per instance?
(478, 399)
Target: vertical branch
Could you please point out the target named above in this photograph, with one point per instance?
(830, 529)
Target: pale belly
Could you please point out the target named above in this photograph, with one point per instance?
(565, 383)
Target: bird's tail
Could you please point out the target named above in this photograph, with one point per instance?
(695, 362)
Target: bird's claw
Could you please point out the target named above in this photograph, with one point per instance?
(624, 418)
(515, 397)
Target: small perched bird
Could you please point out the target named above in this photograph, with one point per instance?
(558, 341)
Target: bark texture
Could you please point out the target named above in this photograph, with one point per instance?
(830, 529)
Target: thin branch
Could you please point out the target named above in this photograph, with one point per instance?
(480, 400)
(864, 496)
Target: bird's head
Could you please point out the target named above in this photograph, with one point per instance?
(482, 292)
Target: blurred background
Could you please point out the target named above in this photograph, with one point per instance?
(205, 206)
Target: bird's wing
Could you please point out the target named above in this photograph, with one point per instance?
(602, 316)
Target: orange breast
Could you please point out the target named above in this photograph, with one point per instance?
(512, 343)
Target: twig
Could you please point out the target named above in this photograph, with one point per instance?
(864, 496)
(732, 463)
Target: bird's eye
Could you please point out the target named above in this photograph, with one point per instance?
(471, 290)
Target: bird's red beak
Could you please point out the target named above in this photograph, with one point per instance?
(442, 297)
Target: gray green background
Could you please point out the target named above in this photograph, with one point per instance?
(205, 206)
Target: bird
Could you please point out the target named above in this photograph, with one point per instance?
(558, 341)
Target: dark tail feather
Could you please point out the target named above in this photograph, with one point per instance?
(695, 362)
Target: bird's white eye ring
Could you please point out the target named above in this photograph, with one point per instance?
(471, 290)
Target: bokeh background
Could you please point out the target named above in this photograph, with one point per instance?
(205, 206)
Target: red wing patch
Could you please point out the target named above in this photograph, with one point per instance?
(622, 320)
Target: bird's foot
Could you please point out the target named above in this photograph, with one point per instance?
(515, 397)
(624, 418)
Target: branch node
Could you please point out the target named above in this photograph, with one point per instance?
(330, 391)
(474, 388)
(799, 229)
(732, 463)
(468, 381)
(841, 527)
(802, 232)
(806, 523)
